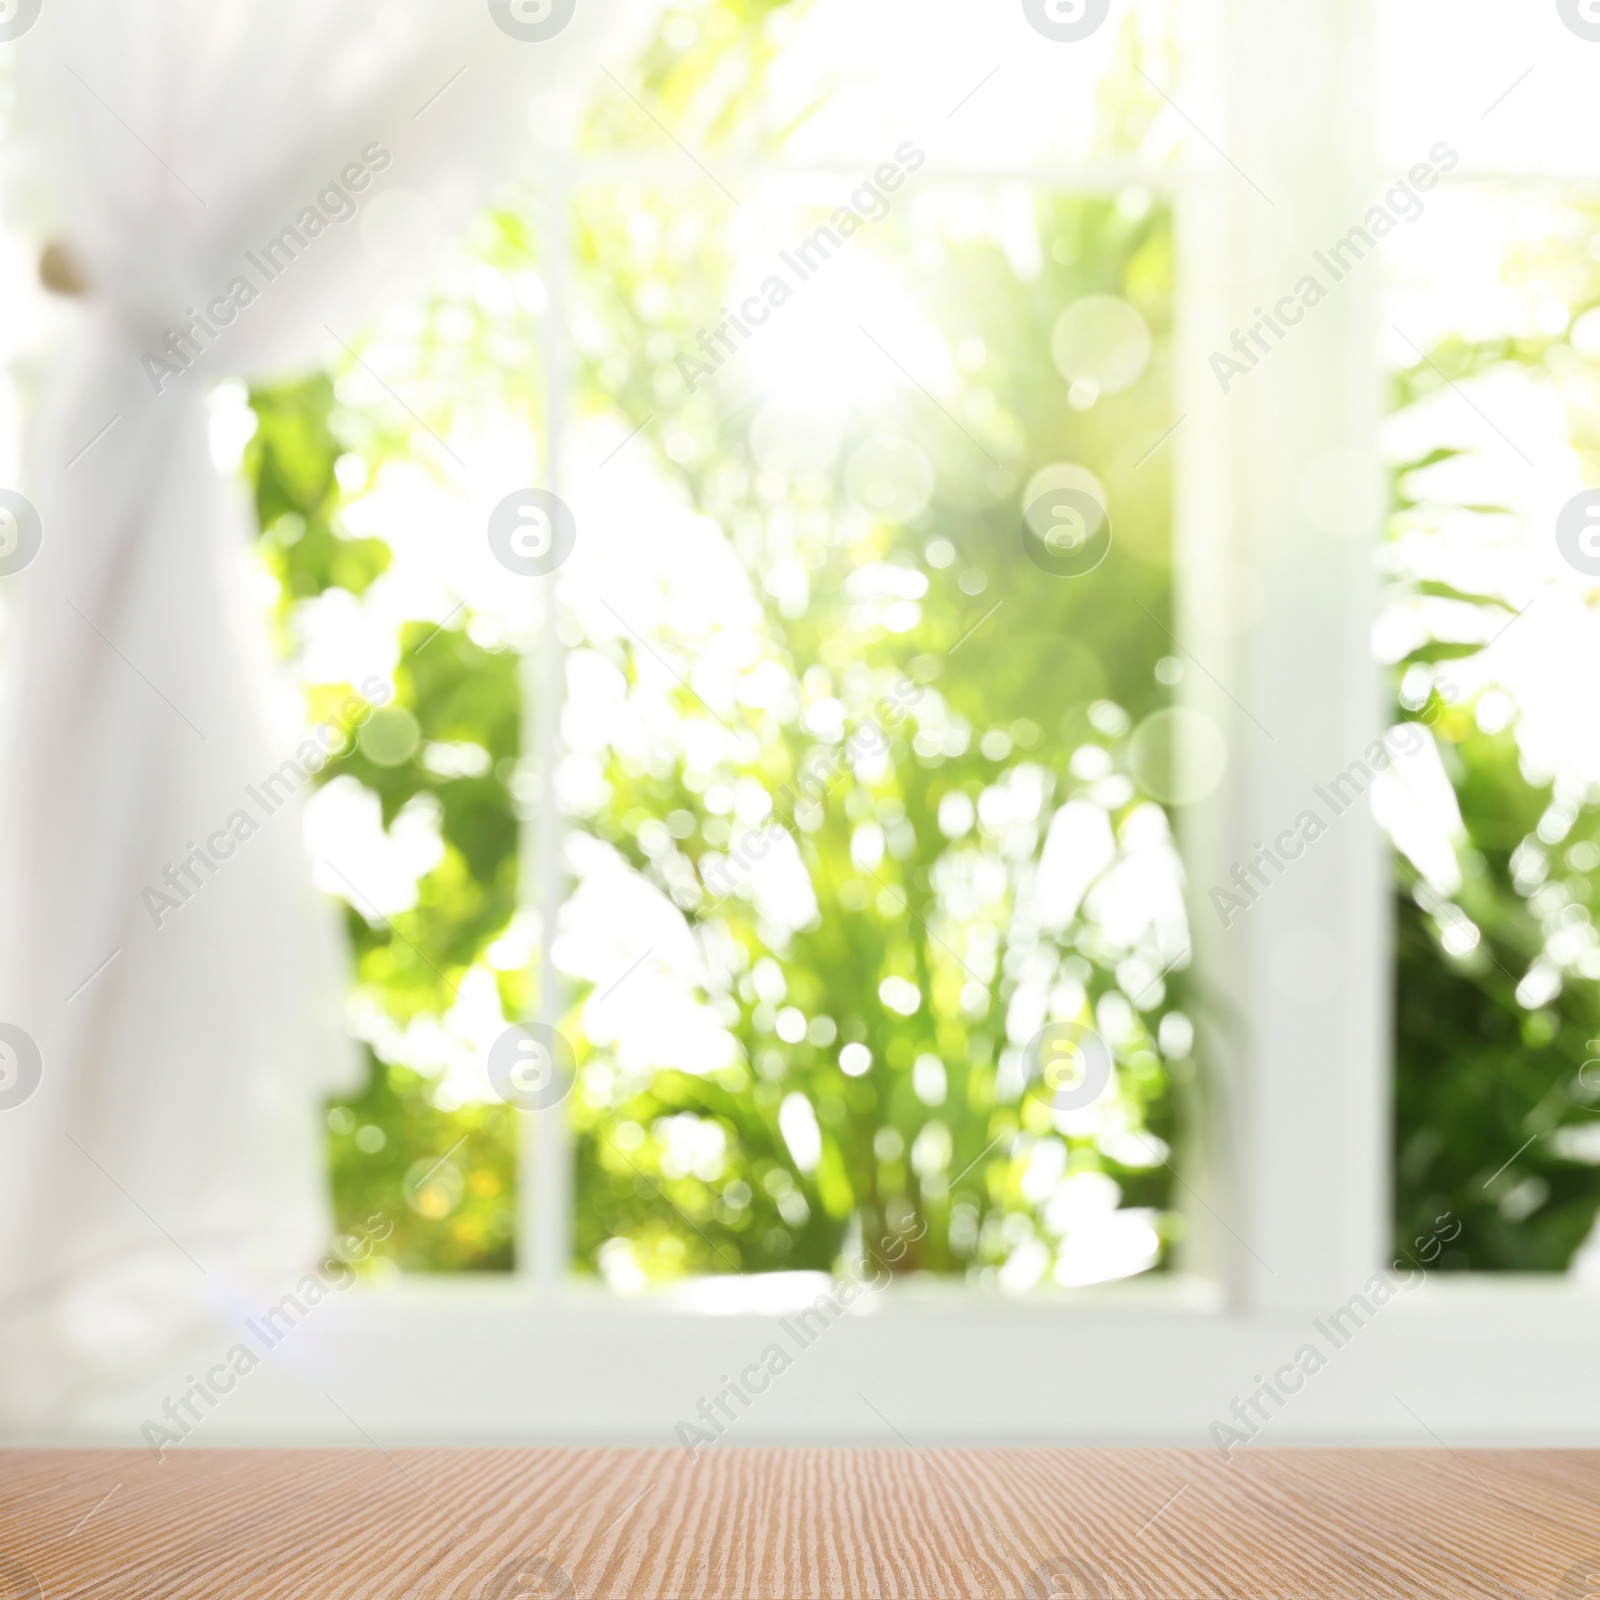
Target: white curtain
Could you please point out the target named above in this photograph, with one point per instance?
(170, 1160)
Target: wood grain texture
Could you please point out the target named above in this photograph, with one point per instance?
(787, 1524)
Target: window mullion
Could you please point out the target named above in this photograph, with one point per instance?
(544, 1160)
(1277, 592)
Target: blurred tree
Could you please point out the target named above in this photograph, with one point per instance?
(1498, 1005)
(984, 847)
(922, 854)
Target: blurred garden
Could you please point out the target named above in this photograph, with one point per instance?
(800, 557)
(810, 554)
(1492, 641)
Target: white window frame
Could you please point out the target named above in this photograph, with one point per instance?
(1287, 1193)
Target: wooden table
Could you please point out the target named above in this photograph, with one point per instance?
(765, 1524)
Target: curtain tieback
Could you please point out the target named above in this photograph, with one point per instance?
(59, 272)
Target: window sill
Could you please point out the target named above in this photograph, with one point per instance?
(1475, 1361)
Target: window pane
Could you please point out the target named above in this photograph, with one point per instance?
(405, 633)
(1491, 627)
(863, 794)
(865, 778)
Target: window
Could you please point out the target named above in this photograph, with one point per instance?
(856, 707)
(1491, 337)
(806, 789)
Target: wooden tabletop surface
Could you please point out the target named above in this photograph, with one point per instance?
(785, 1524)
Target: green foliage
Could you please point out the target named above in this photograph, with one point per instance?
(1497, 1005)
(1020, 660)
(973, 695)
(291, 463)
(446, 1178)
(704, 77)
(1480, 1075)
(1006, 695)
